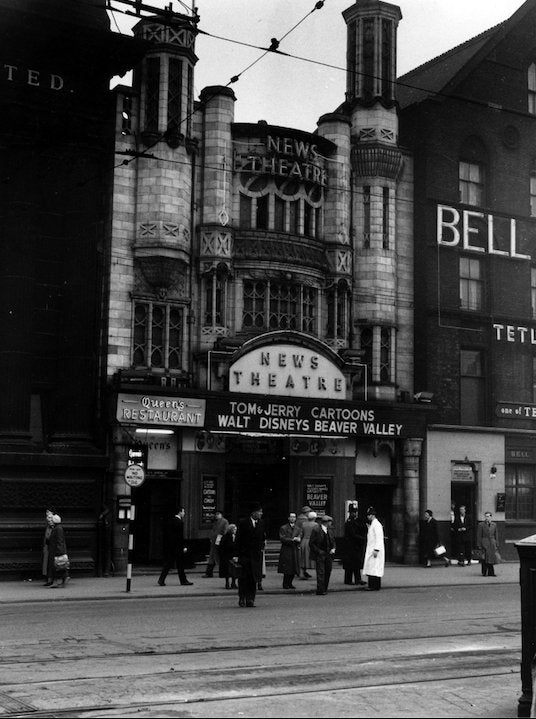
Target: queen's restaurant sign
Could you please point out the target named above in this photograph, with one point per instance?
(143, 409)
(287, 369)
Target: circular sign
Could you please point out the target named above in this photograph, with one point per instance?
(134, 475)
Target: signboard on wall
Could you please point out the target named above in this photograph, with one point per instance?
(209, 498)
(285, 416)
(462, 472)
(145, 409)
(318, 494)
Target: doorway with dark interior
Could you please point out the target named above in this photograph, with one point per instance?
(379, 496)
(257, 478)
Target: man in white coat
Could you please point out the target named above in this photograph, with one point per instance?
(374, 553)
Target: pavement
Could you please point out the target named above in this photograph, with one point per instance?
(144, 583)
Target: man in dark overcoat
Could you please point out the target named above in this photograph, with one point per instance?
(353, 551)
(322, 548)
(174, 548)
(463, 529)
(289, 558)
(249, 546)
(430, 539)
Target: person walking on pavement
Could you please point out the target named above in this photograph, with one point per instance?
(174, 549)
(487, 540)
(57, 547)
(322, 548)
(306, 561)
(374, 564)
(462, 531)
(45, 566)
(430, 540)
(226, 553)
(249, 547)
(289, 554)
(355, 535)
(219, 527)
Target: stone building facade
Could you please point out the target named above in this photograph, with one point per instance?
(261, 315)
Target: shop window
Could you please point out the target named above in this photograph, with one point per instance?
(157, 335)
(531, 86)
(471, 183)
(520, 488)
(274, 305)
(471, 285)
(472, 401)
(152, 93)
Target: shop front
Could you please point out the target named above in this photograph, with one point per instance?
(286, 434)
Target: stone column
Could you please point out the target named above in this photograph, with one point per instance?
(411, 456)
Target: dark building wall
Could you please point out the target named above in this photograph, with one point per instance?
(56, 151)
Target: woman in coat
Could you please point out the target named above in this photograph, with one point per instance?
(487, 539)
(289, 562)
(56, 547)
(45, 568)
(306, 561)
(374, 563)
(226, 553)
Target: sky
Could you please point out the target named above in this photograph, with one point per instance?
(294, 93)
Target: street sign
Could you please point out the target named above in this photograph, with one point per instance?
(134, 475)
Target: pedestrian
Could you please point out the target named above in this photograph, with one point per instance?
(289, 554)
(226, 553)
(462, 531)
(374, 563)
(430, 540)
(45, 567)
(355, 536)
(175, 549)
(488, 543)
(249, 546)
(219, 527)
(322, 548)
(306, 561)
(58, 560)
(302, 516)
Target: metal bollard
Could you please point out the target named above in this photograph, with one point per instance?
(526, 548)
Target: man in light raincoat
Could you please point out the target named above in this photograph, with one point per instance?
(374, 553)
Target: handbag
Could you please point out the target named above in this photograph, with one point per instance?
(440, 550)
(236, 570)
(61, 562)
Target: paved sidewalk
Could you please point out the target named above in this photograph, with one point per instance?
(145, 585)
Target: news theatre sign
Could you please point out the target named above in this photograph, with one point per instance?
(282, 416)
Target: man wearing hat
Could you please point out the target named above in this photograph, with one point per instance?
(355, 535)
(249, 546)
(322, 548)
(374, 553)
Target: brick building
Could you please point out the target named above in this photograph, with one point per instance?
(469, 117)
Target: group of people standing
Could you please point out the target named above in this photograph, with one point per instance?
(461, 540)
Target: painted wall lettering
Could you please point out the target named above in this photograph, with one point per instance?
(476, 232)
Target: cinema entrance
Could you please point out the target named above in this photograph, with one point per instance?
(257, 470)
